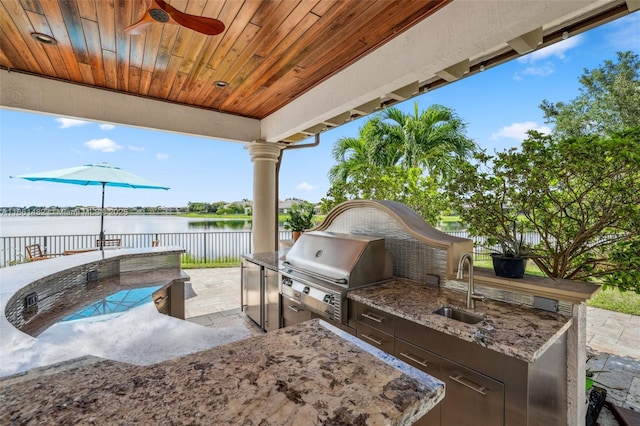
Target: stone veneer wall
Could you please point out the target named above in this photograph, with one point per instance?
(412, 259)
(416, 260)
(56, 287)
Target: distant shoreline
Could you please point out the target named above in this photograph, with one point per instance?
(90, 211)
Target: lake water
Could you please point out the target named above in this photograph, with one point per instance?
(19, 226)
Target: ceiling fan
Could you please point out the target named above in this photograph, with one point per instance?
(160, 11)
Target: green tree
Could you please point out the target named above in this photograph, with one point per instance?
(581, 195)
(609, 100)
(408, 186)
(400, 157)
(430, 140)
(352, 159)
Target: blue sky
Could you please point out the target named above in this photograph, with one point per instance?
(498, 105)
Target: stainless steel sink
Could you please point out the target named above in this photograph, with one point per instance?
(458, 315)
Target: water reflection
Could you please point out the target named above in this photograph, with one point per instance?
(234, 224)
(118, 302)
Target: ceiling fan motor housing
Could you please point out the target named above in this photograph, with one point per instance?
(159, 15)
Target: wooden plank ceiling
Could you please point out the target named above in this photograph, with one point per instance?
(270, 52)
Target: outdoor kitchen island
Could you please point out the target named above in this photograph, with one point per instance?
(517, 358)
(309, 373)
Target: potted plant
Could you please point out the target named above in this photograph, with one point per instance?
(511, 261)
(300, 219)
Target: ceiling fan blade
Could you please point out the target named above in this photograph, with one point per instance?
(161, 11)
(141, 26)
(201, 24)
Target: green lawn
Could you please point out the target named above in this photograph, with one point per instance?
(627, 302)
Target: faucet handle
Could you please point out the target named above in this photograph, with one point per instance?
(478, 296)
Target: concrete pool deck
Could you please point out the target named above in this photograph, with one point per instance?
(613, 339)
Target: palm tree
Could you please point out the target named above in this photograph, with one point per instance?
(430, 140)
(352, 158)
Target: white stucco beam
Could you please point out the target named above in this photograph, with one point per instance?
(527, 42)
(419, 53)
(36, 94)
(633, 5)
(454, 72)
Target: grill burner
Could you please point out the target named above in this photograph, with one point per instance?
(322, 267)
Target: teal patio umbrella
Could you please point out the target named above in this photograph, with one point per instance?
(102, 174)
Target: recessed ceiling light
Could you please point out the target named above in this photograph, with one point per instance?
(44, 38)
(221, 84)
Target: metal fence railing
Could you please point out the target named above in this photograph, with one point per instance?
(200, 247)
(482, 251)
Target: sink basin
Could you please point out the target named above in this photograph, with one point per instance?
(458, 315)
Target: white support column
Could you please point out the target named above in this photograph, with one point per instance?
(265, 157)
(577, 366)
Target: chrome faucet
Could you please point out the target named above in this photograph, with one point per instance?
(472, 296)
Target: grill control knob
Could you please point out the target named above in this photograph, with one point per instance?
(287, 281)
(306, 290)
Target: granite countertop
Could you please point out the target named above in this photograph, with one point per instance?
(272, 260)
(309, 373)
(520, 332)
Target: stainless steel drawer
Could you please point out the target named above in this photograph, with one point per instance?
(375, 337)
(294, 312)
(419, 358)
(427, 362)
(375, 318)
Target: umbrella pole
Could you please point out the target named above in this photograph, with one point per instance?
(102, 218)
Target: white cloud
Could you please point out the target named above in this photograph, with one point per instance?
(104, 145)
(65, 123)
(556, 50)
(542, 71)
(162, 156)
(136, 148)
(518, 131)
(305, 186)
(107, 126)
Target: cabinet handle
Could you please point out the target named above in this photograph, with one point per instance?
(468, 383)
(295, 309)
(423, 363)
(376, 341)
(373, 317)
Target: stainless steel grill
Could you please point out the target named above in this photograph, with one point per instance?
(322, 267)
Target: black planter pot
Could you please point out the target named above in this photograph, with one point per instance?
(508, 266)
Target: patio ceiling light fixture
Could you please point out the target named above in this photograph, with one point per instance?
(221, 84)
(44, 38)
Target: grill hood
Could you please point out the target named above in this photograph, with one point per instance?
(345, 259)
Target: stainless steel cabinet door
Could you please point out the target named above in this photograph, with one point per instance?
(470, 398)
(252, 291)
(271, 300)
